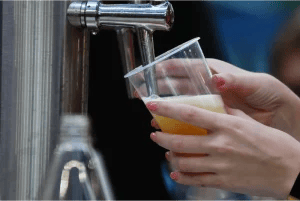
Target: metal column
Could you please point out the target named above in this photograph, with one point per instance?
(44, 66)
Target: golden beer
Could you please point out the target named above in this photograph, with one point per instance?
(209, 102)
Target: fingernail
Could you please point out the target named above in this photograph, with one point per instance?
(174, 175)
(219, 81)
(167, 155)
(151, 106)
(153, 137)
(153, 124)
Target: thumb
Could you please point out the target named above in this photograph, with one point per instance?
(242, 84)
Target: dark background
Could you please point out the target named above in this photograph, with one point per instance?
(121, 127)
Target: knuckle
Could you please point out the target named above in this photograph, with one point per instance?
(214, 147)
(222, 145)
(189, 115)
(224, 150)
(237, 129)
(230, 79)
(221, 123)
(223, 167)
(182, 165)
(177, 144)
(234, 126)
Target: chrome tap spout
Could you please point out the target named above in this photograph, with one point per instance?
(143, 19)
(95, 15)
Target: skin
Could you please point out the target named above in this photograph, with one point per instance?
(253, 149)
(259, 95)
(242, 155)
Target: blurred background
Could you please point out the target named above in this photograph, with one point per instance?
(259, 36)
(247, 34)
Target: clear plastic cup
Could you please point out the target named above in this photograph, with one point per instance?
(180, 75)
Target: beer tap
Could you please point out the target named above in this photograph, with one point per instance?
(143, 19)
(44, 76)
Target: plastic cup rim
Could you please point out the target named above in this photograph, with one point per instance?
(163, 56)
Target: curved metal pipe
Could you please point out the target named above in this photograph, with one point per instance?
(95, 15)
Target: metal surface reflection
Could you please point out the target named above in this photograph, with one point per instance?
(74, 150)
(44, 68)
(43, 74)
(144, 19)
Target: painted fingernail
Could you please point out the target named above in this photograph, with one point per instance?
(151, 106)
(154, 124)
(174, 175)
(153, 137)
(167, 155)
(219, 81)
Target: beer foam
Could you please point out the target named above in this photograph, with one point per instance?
(204, 100)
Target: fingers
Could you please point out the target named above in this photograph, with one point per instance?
(190, 114)
(238, 113)
(154, 124)
(243, 84)
(192, 162)
(196, 179)
(183, 143)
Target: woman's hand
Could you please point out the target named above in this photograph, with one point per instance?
(243, 155)
(259, 95)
